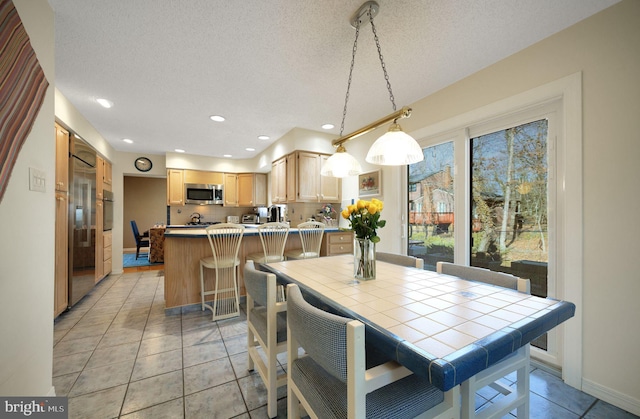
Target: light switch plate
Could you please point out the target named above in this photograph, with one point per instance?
(37, 180)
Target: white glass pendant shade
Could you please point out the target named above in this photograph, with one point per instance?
(395, 148)
(341, 164)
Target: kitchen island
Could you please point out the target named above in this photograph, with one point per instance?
(183, 249)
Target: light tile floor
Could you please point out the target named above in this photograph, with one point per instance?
(118, 353)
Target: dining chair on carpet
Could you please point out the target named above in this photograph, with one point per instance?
(402, 260)
(266, 330)
(514, 398)
(273, 237)
(225, 242)
(332, 379)
(311, 233)
(142, 240)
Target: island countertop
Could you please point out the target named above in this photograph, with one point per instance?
(183, 249)
(250, 230)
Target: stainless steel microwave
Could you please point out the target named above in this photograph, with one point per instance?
(202, 194)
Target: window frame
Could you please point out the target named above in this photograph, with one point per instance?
(566, 175)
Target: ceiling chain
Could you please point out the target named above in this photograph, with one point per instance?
(384, 68)
(353, 59)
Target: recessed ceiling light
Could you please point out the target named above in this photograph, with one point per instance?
(328, 126)
(217, 118)
(250, 149)
(227, 155)
(127, 140)
(263, 137)
(179, 150)
(105, 103)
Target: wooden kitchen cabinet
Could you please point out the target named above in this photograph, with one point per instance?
(279, 181)
(61, 290)
(107, 176)
(252, 189)
(107, 240)
(98, 241)
(99, 177)
(245, 189)
(62, 158)
(175, 187)
(310, 185)
(230, 192)
(337, 243)
(203, 178)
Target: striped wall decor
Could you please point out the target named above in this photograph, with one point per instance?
(22, 89)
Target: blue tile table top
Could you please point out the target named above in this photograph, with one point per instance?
(443, 328)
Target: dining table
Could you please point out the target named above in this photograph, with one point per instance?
(443, 328)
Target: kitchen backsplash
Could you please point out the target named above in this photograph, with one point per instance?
(296, 212)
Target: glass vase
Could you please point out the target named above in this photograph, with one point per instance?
(364, 259)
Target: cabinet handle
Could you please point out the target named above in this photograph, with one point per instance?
(341, 237)
(60, 198)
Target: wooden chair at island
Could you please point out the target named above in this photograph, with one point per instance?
(332, 379)
(311, 233)
(514, 398)
(402, 260)
(225, 242)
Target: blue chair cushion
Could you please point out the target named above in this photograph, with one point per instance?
(327, 395)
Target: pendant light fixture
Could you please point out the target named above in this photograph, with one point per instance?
(394, 148)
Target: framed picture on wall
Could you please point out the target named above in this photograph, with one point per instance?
(370, 184)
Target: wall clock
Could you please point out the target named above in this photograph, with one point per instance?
(143, 164)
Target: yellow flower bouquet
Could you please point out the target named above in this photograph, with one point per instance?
(364, 220)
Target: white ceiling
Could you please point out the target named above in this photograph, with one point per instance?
(270, 66)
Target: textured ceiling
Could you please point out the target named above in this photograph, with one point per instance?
(270, 66)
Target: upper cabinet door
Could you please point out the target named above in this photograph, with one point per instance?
(230, 190)
(246, 190)
(62, 159)
(308, 177)
(175, 187)
(329, 186)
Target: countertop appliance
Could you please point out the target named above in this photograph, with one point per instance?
(250, 219)
(274, 214)
(203, 194)
(233, 219)
(82, 220)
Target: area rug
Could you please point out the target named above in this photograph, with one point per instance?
(129, 260)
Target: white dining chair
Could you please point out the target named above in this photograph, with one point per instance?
(332, 381)
(266, 331)
(518, 362)
(402, 260)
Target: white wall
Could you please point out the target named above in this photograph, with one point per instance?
(27, 222)
(605, 49)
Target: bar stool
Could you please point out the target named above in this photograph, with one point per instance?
(225, 243)
(311, 234)
(273, 237)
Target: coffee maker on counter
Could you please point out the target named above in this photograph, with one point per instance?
(277, 213)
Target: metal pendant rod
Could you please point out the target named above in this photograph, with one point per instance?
(405, 112)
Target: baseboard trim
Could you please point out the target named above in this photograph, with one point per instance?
(623, 401)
